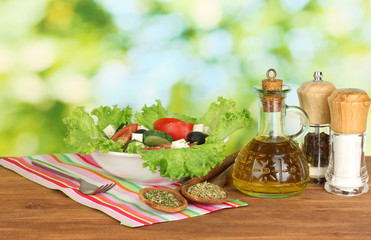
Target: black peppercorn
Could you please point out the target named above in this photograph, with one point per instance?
(317, 149)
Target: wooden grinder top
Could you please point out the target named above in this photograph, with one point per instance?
(313, 99)
(349, 109)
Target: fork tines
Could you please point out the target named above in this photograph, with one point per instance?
(104, 188)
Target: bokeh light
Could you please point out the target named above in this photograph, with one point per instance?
(59, 54)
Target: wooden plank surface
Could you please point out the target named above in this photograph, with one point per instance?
(30, 211)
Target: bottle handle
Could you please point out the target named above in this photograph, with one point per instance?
(304, 122)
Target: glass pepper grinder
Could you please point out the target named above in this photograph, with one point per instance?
(272, 165)
(347, 174)
(316, 144)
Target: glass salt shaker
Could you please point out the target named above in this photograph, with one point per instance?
(316, 143)
(347, 174)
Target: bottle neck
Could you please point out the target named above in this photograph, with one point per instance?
(271, 126)
(272, 116)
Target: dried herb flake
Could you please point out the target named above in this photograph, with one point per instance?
(162, 198)
(206, 190)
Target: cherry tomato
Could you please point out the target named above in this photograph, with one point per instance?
(125, 133)
(174, 127)
(163, 121)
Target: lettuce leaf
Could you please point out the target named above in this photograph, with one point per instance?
(223, 117)
(179, 162)
(230, 122)
(134, 147)
(149, 115)
(114, 116)
(85, 136)
(216, 111)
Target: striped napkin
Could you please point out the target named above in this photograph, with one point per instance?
(121, 202)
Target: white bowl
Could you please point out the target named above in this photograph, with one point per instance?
(129, 166)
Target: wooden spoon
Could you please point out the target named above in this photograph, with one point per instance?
(227, 163)
(223, 178)
(203, 200)
(164, 208)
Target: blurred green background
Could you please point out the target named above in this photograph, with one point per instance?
(58, 54)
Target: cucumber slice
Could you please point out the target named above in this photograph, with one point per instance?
(155, 137)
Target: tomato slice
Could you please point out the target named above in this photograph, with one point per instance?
(174, 127)
(158, 124)
(125, 133)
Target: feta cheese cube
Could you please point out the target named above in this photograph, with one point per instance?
(207, 130)
(181, 143)
(198, 128)
(142, 127)
(137, 136)
(109, 130)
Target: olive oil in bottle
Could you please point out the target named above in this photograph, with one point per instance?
(266, 168)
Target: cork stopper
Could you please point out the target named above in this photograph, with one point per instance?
(272, 102)
(272, 84)
(349, 109)
(313, 99)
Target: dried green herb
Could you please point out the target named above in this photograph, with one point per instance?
(162, 198)
(206, 190)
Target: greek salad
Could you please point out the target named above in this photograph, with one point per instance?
(177, 144)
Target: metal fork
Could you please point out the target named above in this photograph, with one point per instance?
(85, 187)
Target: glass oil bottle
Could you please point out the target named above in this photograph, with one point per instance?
(272, 165)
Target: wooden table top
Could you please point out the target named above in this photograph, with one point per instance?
(30, 211)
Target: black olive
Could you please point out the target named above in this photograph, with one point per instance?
(140, 131)
(198, 137)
